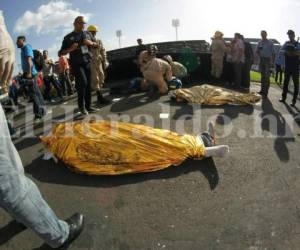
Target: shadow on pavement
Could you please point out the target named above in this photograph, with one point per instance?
(49, 172)
(10, 230)
(283, 131)
(232, 112)
(131, 102)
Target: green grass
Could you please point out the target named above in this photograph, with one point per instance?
(256, 77)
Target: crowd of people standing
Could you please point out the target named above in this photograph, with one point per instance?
(240, 57)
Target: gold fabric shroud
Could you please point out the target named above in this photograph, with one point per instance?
(115, 148)
(211, 95)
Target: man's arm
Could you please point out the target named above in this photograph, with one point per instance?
(29, 67)
(87, 40)
(67, 48)
(66, 51)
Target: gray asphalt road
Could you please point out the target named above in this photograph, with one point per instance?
(250, 200)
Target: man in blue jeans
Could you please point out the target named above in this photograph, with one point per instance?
(29, 77)
(19, 196)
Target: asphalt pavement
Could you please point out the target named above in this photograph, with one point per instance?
(249, 200)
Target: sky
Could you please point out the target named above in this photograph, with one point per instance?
(46, 22)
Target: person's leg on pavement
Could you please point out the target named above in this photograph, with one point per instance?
(68, 83)
(20, 197)
(287, 77)
(62, 80)
(248, 75)
(237, 74)
(40, 99)
(57, 85)
(267, 76)
(35, 101)
(47, 84)
(277, 70)
(263, 76)
(162, 85)
(80, 86)
(88, 87)
(100, 84)
(22, 200)
(295, 77)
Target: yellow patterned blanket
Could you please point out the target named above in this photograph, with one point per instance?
(115, 148)
(211, 95)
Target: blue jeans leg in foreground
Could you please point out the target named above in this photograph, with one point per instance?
(20, 197)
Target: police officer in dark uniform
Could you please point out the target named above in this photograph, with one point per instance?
(78, 44)
(291, 50)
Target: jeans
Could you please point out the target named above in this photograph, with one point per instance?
(48, 80)
(13, 94)
(265, 69)
(288, 74)
(20, 197)
(36, 97)
(83, 85)
(65, 84)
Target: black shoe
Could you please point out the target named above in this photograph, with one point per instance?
(38, 118)
(76, 224)
(83, 111)
(282, 100)
(293, 104)
(91, 110)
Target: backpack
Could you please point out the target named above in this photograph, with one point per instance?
(38, 60)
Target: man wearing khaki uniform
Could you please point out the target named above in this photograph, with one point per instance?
(218, 49)
(99, 64)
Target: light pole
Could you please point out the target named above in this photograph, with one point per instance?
(119, 34)
(176, 24)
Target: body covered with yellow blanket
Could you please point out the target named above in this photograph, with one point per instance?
(211, 95)
(113, 148)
